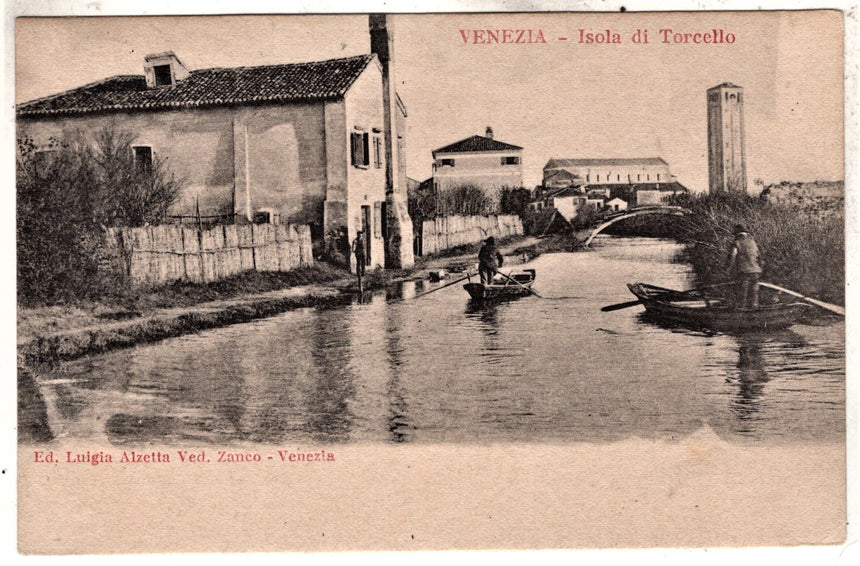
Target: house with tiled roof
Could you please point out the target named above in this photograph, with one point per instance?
(301, 143)
(482, 161)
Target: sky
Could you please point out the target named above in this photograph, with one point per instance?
(561, 98)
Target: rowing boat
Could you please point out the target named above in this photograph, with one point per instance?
(692, 308)
(515, 285)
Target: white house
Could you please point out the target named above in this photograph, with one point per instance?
(481, 161)
(316, 143)
(616, 205)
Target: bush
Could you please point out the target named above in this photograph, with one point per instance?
(67, 194)
(800, 249)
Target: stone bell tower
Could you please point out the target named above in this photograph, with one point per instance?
(398, 241)
(727, 167)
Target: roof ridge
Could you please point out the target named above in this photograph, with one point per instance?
(369, 56)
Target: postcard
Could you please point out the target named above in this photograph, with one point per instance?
(419, 282)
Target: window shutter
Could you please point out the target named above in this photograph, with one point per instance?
(377, 219)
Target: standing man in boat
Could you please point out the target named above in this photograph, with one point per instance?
(489, 260)
(744, 261)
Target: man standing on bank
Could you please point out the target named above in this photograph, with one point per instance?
(359, 250)
(489, 260)
(744, 261)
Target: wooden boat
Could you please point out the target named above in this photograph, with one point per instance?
(693, 308)
(503, 288)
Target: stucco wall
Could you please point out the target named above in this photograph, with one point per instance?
(365, 185)
(197, 145)
(285, 161)
(275, 154)
(481, 169)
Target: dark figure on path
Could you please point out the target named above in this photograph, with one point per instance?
(744, 261)
(359, 250)
(489, 260)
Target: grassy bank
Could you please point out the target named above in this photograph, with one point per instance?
(801, 248)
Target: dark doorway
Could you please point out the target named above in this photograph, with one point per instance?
(366, 225)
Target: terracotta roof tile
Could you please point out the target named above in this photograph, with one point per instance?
(318, 80)
(476, 143)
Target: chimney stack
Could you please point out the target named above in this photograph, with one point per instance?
(398, 246)
(489, 132)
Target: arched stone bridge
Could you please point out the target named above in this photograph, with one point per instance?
(611, 219)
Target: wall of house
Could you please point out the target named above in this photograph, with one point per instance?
(280, 161)
(275, 156)
(363, 112)
(483, 169)
(567, 206)
(195, 144)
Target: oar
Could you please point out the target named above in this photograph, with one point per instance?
(533, 292)
(442, 287)
(619, 306)
(827, 306)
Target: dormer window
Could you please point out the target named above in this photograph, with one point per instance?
(163, 76)
(164, 69)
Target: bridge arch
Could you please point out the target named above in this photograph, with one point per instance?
(609, 221)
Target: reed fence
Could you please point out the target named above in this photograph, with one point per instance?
(451, 231)
(154, 255)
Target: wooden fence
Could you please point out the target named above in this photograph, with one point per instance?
(154, 255)
(450, 231)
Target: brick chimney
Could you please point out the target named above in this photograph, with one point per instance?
(489, 133)
(398, 245)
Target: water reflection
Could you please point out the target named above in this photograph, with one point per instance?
(751, 379)
(400, 426)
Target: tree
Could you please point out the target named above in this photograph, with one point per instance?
(514, 200)
(67, 193)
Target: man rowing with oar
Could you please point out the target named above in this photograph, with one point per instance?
(744, 260)
(489, 260)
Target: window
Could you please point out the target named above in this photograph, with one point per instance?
(598, 177)
(511, 160)
(143, 158)
(377, 151)
(658, 176)
(163, 76)
(587, 178)
(638, 177)
(648, 177)
(618, 177)
(360, 150)
(448, 162)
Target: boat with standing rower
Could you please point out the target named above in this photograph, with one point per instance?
(701, 309)
(516, 284)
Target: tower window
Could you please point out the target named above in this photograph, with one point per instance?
(163, 76)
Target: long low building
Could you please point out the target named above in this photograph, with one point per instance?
(558, 172)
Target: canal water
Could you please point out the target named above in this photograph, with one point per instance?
(437, 369)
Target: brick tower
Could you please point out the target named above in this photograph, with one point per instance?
(727, 166)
